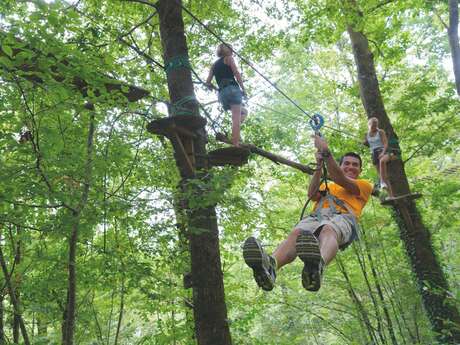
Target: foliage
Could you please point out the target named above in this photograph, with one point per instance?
(130, 255)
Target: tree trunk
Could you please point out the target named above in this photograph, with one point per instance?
(378, 317)
(432, 283)
(210, 311)
(69, 326)
(71, 287)
(17, 283)
(379, 288)
(42, 330)
(362, 312)
(452, 32)
(14, 301)
(2, 323)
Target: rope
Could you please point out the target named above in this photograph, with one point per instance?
(178, 107)
(214, 123)
(255, 69)
(324, 192)
(179, 61)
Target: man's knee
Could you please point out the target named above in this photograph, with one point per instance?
(328, 230)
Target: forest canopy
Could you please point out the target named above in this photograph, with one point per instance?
(113, 235)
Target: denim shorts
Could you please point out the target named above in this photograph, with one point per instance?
(230, 95)
(375, 156)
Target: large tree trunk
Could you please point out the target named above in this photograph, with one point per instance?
(432, 283)
(210, 311)
(452, 32)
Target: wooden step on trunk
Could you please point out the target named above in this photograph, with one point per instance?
(391, 200)
(234, 156)
(184, 125)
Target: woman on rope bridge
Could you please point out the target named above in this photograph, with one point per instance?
(377, 141)
(333, 224)
(230, 95)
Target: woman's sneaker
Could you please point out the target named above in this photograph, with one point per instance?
(307, 248)
(262, 264)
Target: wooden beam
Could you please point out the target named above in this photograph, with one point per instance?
(271, 156)
(393, 200)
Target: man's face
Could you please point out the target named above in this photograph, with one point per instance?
(350, 166)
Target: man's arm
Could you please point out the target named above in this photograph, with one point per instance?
(336, 174)
(315, 182)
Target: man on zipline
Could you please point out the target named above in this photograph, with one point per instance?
(317, 238)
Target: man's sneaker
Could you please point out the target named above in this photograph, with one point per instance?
(262, 264)
(307, 248)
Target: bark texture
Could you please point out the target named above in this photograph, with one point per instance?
(432, 283)
(210, 311)
(452, 32)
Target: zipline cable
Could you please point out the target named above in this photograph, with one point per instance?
(185, 9)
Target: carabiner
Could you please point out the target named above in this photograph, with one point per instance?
(316, 122)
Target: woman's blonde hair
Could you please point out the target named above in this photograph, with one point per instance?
(222, 48)
(373, 119)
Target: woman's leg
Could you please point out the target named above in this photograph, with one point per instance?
(383, 168)
(236, 122)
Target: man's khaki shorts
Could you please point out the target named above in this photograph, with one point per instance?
(341, 224)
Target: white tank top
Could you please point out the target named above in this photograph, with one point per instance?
(375, 142)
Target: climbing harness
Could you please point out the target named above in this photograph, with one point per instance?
(316, 122)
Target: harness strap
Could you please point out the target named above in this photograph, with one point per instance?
(332, 209)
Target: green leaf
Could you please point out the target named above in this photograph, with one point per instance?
(7, 50)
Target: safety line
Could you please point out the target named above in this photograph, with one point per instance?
(255, 69)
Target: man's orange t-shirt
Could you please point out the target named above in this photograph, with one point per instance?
(355, 202)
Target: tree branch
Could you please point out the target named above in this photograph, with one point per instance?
(138, 25)
(446, 26)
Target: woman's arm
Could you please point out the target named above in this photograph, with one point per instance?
(209, 79)
(384, 139)
(231, 62)
(365, 141)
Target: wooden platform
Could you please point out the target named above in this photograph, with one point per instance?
(392, 200)
(180, 124)
(233, 156)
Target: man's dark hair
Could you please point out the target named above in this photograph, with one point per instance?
(352, 154)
